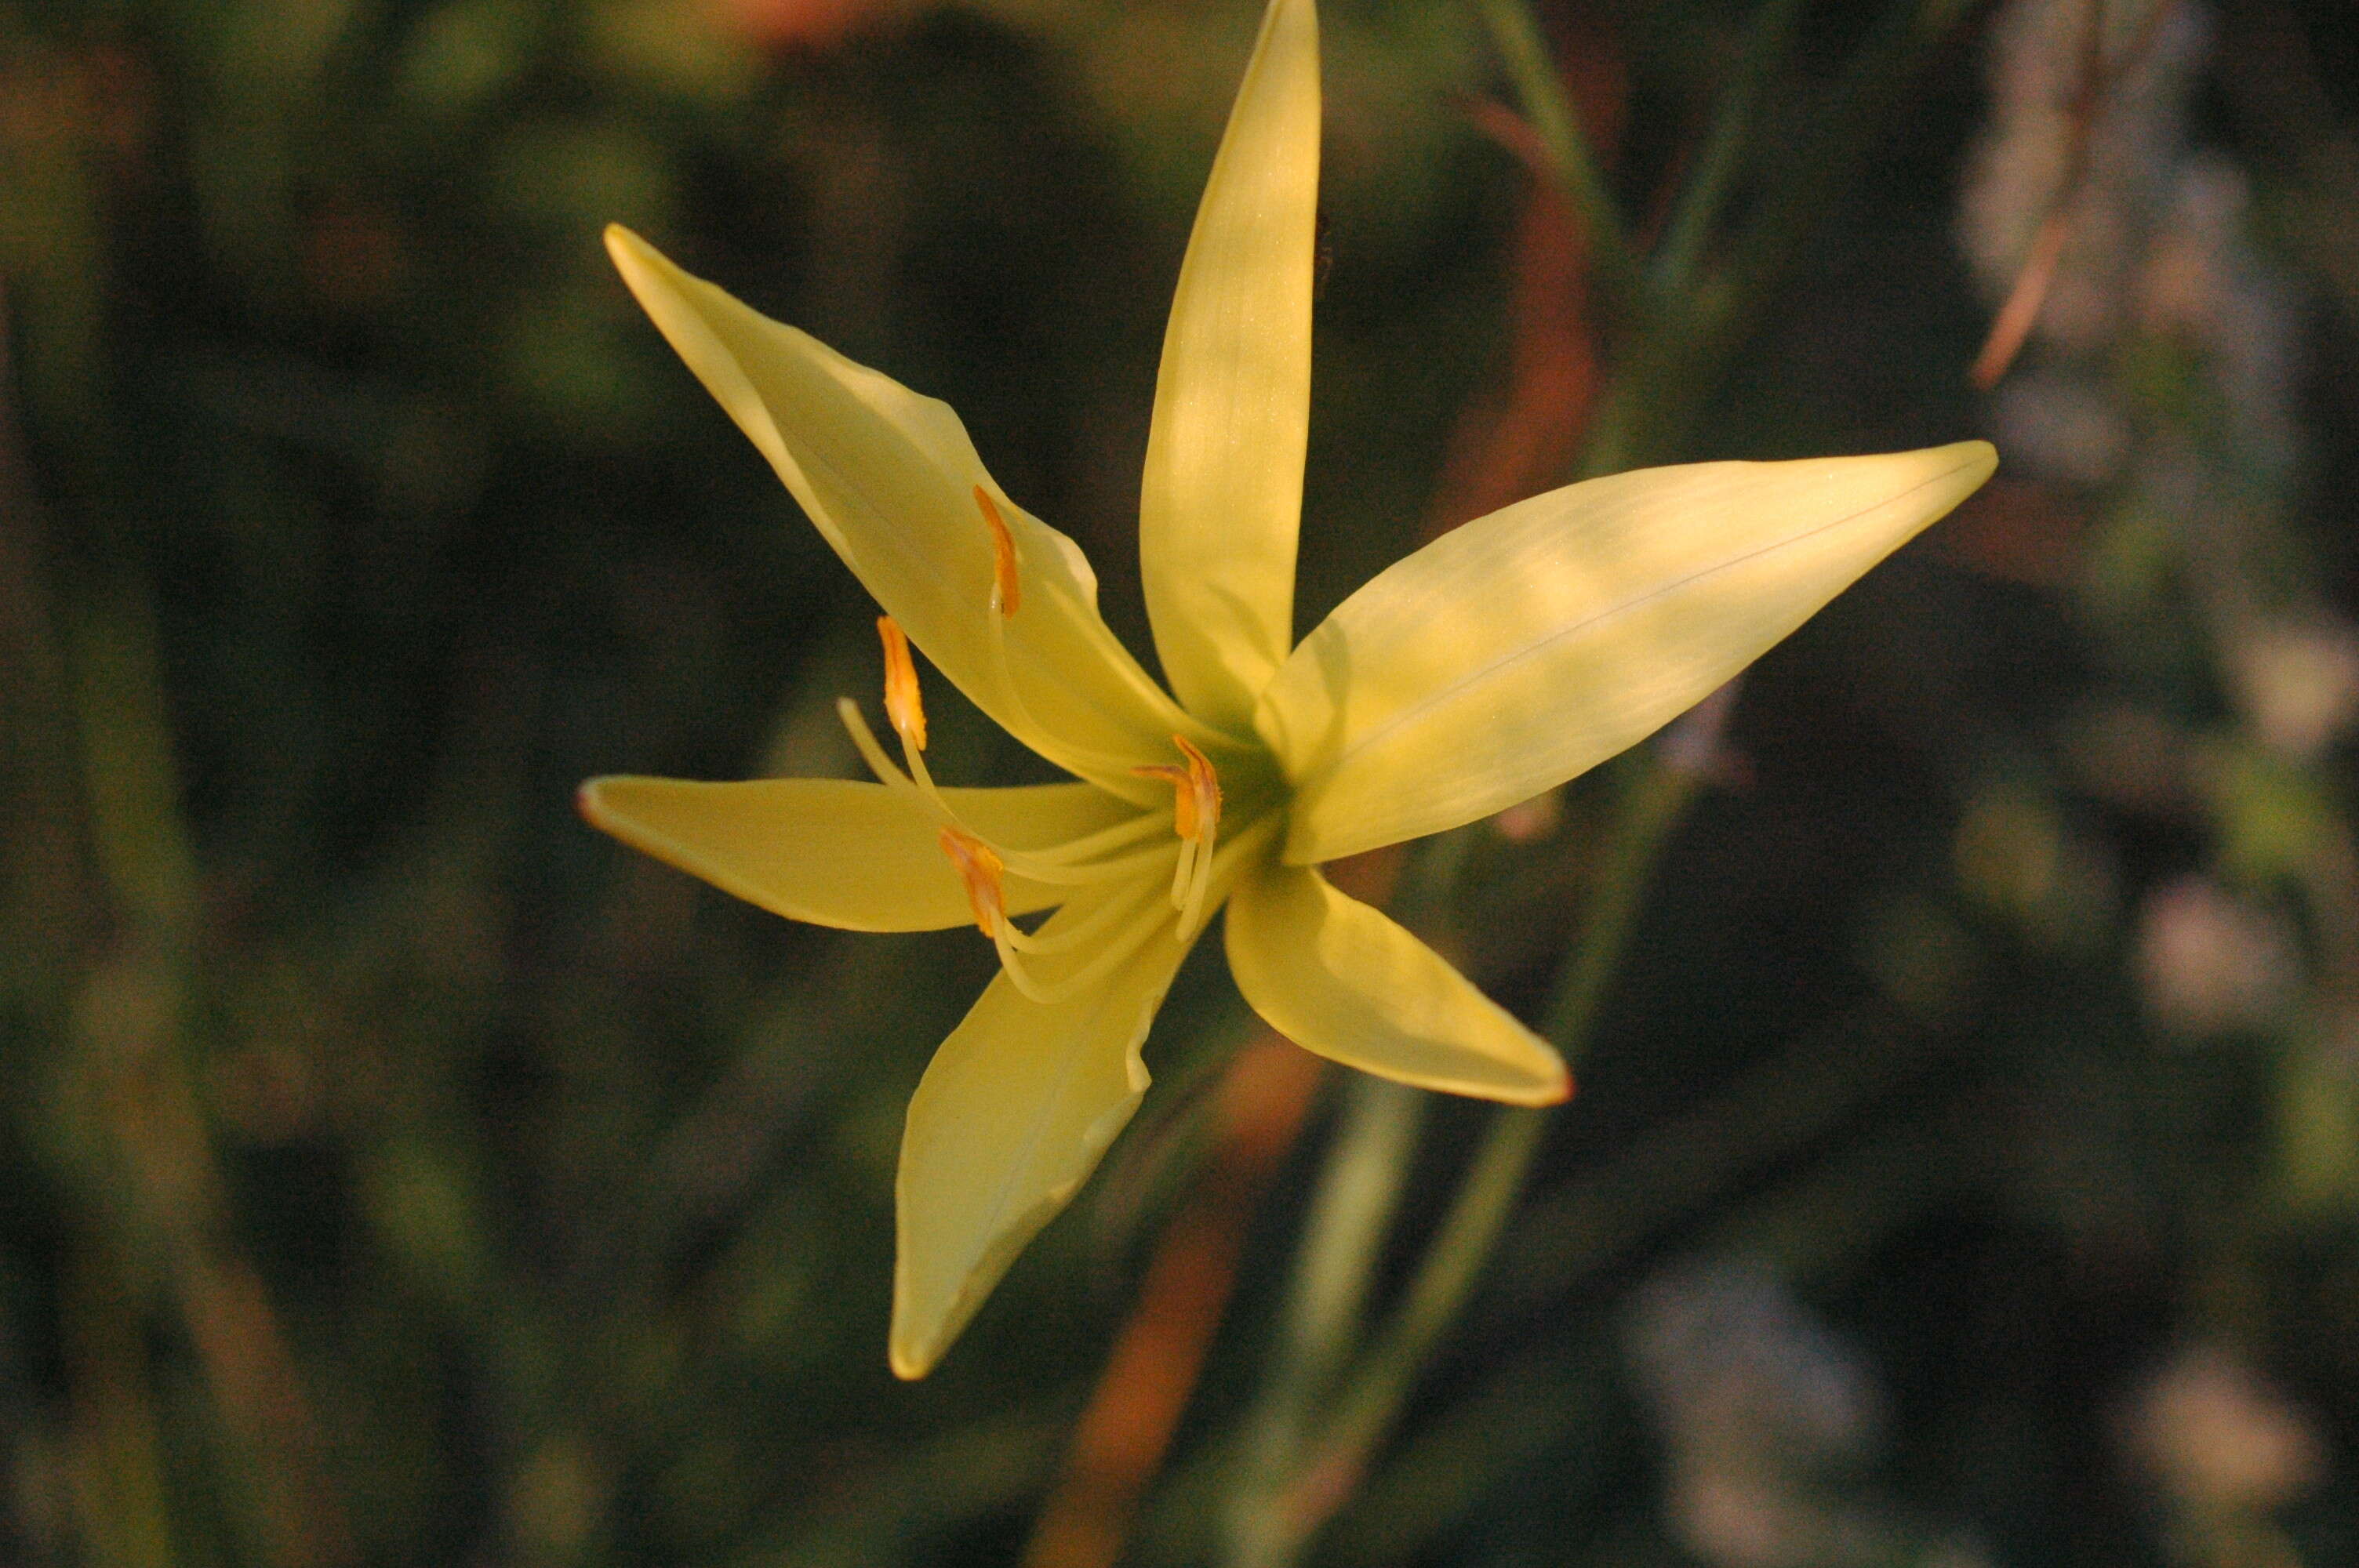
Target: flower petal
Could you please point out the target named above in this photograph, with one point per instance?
(856, 856)
(1012, 1116)
(1221, 498)
(1528, 645)
(1337, 977)
(888, 477)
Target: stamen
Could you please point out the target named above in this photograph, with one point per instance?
(1066, 754)
(1136, 926)
(1116, 951)
(1196, 817)
(1183, 804)
(907, 712)
(863, 739)
(1135, 936)
(1197, 814)
(902, 704)
(1051, 867)
(1006, 595)
(1006, 589)
(1129, 831)
(1193, 913)
(979, 869)
(1083, 929)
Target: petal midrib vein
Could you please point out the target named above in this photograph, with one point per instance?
(1443, 696)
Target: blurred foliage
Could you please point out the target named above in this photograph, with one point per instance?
(1966, 1168)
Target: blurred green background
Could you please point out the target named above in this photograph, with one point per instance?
(1966, 1171)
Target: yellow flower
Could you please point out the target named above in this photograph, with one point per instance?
(1494, 663)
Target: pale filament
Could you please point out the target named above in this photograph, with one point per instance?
(1083, 930)
(1196, 818)
(1025, 864)
(1116, 925)
(1121, 950)
(1129, 830)
(977, 863)
(979, 867)
(906, 707)
(1125, 907)
(1006, 595)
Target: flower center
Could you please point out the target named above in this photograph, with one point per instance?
(1124, 853)
(1123, 859)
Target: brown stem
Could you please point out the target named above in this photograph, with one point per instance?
(2012, 326)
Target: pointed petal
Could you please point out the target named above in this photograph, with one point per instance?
(1337, 977)
(1012, 1116)
(888, 477)
(1221, 498)
(856, 856)
(1531, 644)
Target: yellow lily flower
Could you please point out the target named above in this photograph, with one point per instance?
(1493, 664)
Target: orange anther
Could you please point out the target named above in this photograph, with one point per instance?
(1003, 554)
(902, 704)
(979, 867)
(1203, 793)
(1195, 792)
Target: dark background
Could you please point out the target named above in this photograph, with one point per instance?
(392, 1170)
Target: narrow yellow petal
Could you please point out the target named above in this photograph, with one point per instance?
(1337, 977)
(856, 856)
(1533, 643)
(1221, 498)
(1014, 1113)
(889, 478)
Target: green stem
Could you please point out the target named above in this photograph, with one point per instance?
(1654, 799)
(1525, 53)
(1673, 360)
(1370, 1399)
(1445, 1277)
(130, 776)
(1666, 372)
(1824, 166)
(1699, 206)
(1342, 1236)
